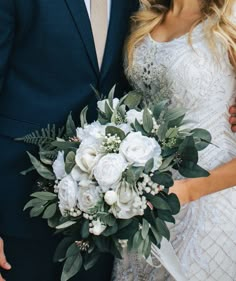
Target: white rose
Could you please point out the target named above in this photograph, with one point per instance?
(59, 166)
(78, 175)
(88, 155)
(101, 104)
(128, 204)
(110, 197)
(139, 149)
(133, 114)
(95, 130)
(108, 171)
(67, 194)
(89, 196)
(97, 228)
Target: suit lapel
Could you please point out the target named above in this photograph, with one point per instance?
(80, 16)
(115, 34)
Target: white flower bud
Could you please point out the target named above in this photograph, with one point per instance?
(110, 197)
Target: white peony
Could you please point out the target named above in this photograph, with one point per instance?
(59, 166)
(78, 175)
(89, 196)
(88, 155)
(94, 130)
(138, 149)
(98, 228)
(128, 204)
(133, 114)
(110, 197)
(108, 171)
(101, 104)
(67, 194)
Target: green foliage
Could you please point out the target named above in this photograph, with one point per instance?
(133, 174)
(115, 131)
(70, 162)
(163, 178)
(72, 266)
(40, 168)
(43, 137)
(83, 117)
(149, 166)
(147, 121)
(70, 127)
(133, 99)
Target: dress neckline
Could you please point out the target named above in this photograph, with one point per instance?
(179, 38)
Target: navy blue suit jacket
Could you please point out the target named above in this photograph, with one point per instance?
(47, 63)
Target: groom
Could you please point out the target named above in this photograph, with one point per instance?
(51, 51)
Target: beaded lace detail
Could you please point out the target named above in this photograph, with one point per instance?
(204, 236)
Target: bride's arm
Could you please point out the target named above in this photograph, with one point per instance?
(220, 178)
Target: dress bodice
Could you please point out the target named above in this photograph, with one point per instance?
(202, 80)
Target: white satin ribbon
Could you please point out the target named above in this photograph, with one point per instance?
(168, 258)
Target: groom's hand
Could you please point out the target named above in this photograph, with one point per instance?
(232, 118)
(3, 262)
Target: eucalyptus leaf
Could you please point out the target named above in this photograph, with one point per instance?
(36, 211)
(71, 267)
(159, 203)
(50, 211)
(40, 168)
(157, 235)
(163, 178)
(145, 228)
(149, 166)
(202, 138)
(85, 229)
(70, 127)
(115, 131)
(137, 240)
(147, 121)
(83, 117)
(166, 216)
(70, 162)
(110, 230)
(162, 228)
(65, 225)
(162, 131)
(36, 202)
(147, 247)
(111, 95)
(174, 113)
(159, 108)
(44, 195)
(166, 164)
(174, 203)
(133, 174)
(60, 253)
(191, 170)
(72, 250)
(133, 99)
(90, 260)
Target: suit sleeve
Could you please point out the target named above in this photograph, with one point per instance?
(7, 31)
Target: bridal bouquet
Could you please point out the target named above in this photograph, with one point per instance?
(105, 185)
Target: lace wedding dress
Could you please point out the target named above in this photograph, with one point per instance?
(204, 236)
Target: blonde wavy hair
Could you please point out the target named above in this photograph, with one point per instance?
(219, 13)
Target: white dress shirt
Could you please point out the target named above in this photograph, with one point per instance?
(87, 3)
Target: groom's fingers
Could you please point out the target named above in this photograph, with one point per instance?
(3, 262)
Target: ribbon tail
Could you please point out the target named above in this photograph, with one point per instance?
(168, 258)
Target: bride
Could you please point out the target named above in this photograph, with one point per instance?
(185, 51)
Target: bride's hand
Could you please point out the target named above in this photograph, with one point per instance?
(185, 191)
(3, 262)
(232, 119)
